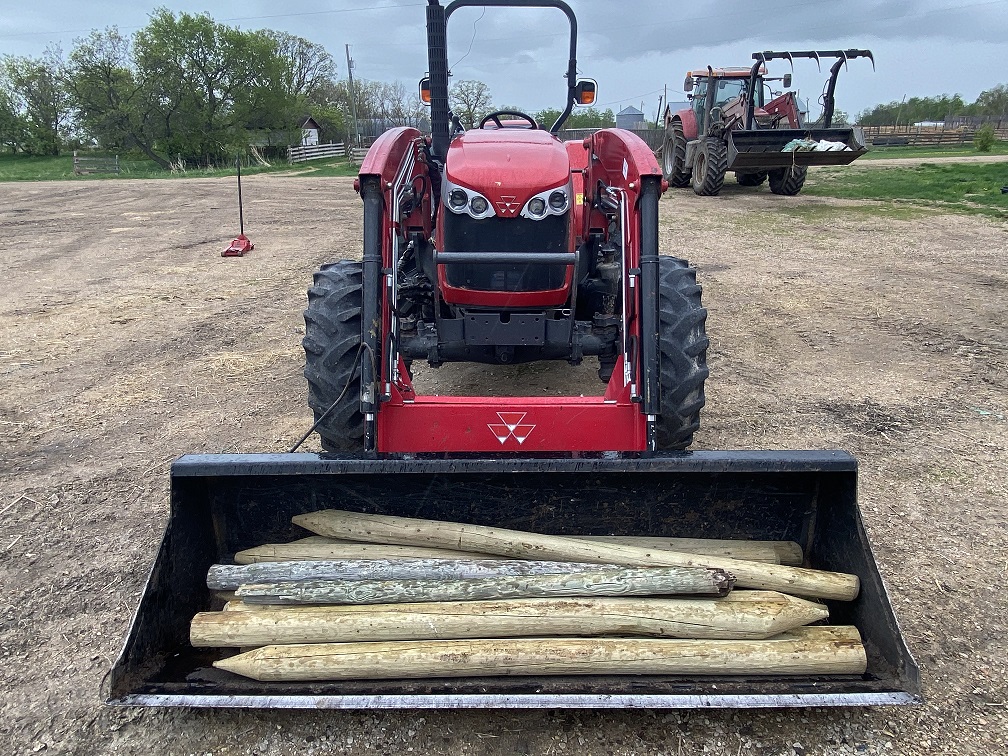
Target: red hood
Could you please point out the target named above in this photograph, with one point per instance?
(513, 163)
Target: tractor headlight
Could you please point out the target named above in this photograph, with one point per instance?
(478, 205)
(537, 207)
(457, 200)
(551, 202)
(464, 201)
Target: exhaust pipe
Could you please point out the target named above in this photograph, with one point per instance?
(437, 62)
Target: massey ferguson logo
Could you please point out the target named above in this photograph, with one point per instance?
(511, 426)
(508, 205)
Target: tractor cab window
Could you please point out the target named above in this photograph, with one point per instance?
(728, 90)
(699, 98)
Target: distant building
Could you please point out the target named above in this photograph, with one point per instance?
(309, 132)
(630, 118)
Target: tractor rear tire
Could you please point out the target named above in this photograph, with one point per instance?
(788, 181)
(709, 167)
(682, 358)
(332, 366)
(750, 179)
(674, 158)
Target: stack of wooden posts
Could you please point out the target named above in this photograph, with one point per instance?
(381, 597)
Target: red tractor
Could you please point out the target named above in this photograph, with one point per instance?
(734, 126)
(502, 244)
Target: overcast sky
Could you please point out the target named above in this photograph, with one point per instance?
(635, 49)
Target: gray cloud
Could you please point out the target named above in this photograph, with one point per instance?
(634, 48)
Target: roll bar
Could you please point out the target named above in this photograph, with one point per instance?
(437, 54)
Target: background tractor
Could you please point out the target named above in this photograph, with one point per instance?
(733, 125)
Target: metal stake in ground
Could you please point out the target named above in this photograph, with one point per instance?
(241, 243)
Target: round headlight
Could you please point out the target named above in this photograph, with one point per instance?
(457, 199)
(558, 201)
(478, 205)
(537, 207)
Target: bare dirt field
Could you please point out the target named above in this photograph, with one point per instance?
(126, 340)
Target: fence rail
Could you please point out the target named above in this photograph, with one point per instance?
(94, 164)
(304, 153)
(923, 136)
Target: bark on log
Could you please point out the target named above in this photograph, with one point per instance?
(803, 651)
(227, 577)
(771, 552)
(658, 581)
(753, 615)
(333, 549)
(409, 531)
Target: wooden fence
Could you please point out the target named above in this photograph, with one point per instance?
(94, 164)
(304, 153)
(922, 136)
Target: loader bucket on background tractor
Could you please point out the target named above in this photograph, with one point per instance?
(223, 503)
(763, 148)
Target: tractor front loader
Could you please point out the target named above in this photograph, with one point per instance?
(734, 126)
(502, 244)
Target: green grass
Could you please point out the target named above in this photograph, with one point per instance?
(880, 153)
(956, 187)
(824, 213)
(49, 168)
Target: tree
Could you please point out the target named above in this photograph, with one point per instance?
(102, 80)
(12, 126)
(40, 99)
(992, 102)
(208, 80)
(470, 100)
(305, 66)
(579, 118)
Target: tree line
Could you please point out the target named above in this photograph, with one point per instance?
(184, 88)
(189, 89)
(990, 102)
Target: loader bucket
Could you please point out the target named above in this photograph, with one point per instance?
(762, 149)
(224, 503)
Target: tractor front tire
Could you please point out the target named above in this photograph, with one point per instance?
(750, 179)
(332, 364)
(674, 157)
(788, 181)
(682, 353)
(709, 167)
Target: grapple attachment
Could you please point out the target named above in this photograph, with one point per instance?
(224, 503)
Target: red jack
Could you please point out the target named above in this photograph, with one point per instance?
(241, 243)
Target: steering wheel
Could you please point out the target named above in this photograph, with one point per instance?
(495, 117)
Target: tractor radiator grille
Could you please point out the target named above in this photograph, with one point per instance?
(505, 235)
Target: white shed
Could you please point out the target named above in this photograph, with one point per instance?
(309, 133)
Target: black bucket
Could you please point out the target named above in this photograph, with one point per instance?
(762, 149)
(224, 503)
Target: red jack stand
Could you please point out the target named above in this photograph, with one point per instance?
(241, 244)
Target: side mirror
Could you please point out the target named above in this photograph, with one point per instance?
(584, 92)
(787, 81)
(688, 86)
(425, 95)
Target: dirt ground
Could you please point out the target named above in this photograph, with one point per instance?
(126, 340)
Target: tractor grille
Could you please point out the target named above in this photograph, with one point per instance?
(505, 235)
